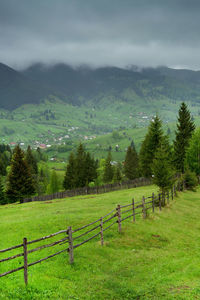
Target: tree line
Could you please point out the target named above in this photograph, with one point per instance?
(157, 158)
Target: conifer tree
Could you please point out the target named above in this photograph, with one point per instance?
(70, 175)
(20, 181)
(2, 193)
(162, 170)
(31, 161)
(42, 181)
(117, 177)
(193, 153)
(80, 179)
(90, 169)
(81, 169)
(131, 163)
(53, 186)
(185, 128)
(150, 145)
(108, 170)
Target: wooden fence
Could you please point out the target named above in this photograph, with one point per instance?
(75, 238)
(92, 190)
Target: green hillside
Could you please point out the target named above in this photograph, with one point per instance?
(53, 114)
(156, 258)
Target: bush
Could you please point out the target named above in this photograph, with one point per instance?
(190, 180)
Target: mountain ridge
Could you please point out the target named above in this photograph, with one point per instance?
(83, 84)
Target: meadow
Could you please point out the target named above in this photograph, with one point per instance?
(156, 258)
(101, 127)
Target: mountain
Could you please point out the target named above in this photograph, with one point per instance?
(17, 89)
(83, 85)
(145, 84)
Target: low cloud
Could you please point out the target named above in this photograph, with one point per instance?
(120, 33)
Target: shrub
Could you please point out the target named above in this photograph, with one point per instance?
(190, 180)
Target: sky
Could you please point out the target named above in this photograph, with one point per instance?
(100, 32)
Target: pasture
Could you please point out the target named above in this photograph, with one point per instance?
(156, 258)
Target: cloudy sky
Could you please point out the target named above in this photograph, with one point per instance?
(101, 32)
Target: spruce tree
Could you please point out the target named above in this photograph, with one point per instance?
(193, 153)
(42, 181)
(150, 145)
(53, 186)
(108, 170)
(70, 175)
(185, 128)
(80, 178)
(20, 181)
(117, 177)
(2, 193)
(31, 161)
(90, 169)
(131, 163)
(81, 169)
(162, 170)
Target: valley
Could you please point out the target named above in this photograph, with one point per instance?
(58, 106)
(58, 127)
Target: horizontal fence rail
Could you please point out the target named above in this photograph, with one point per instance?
(92, 190)
(79, 236)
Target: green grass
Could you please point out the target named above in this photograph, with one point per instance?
(91, 124)
(156, 258)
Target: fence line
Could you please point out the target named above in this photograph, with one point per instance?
(142, 207)
(92, 190)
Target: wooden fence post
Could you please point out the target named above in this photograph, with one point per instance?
(133, 203)
(71, 248)
(101, 226)
(160, 204)
(153, 203)
(119, 218)
(143, 208)
(25, 261)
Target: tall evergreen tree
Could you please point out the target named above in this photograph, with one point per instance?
(81, 169)
(42, 181)
(150, 145)
(131, 163)
(31, 161)
(108, 170)
(53, 186)
(2, 193)
(185, 128)
(193, 153)
(80, 179)
(117, 177)
(162, 169)
(90, 169)
(70, 175)
(20, 181)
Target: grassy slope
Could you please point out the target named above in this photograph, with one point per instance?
(28, 122)
(153, 259)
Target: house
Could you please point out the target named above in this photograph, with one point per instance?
(42, 146)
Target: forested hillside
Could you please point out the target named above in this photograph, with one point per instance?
(84, 85)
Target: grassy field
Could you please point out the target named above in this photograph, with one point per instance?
(156, 258)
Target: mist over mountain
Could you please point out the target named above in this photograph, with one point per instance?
(81, 85)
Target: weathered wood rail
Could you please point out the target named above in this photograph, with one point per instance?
(75, 237)
(92, 190)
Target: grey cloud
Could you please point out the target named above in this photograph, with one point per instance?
(106, 32)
